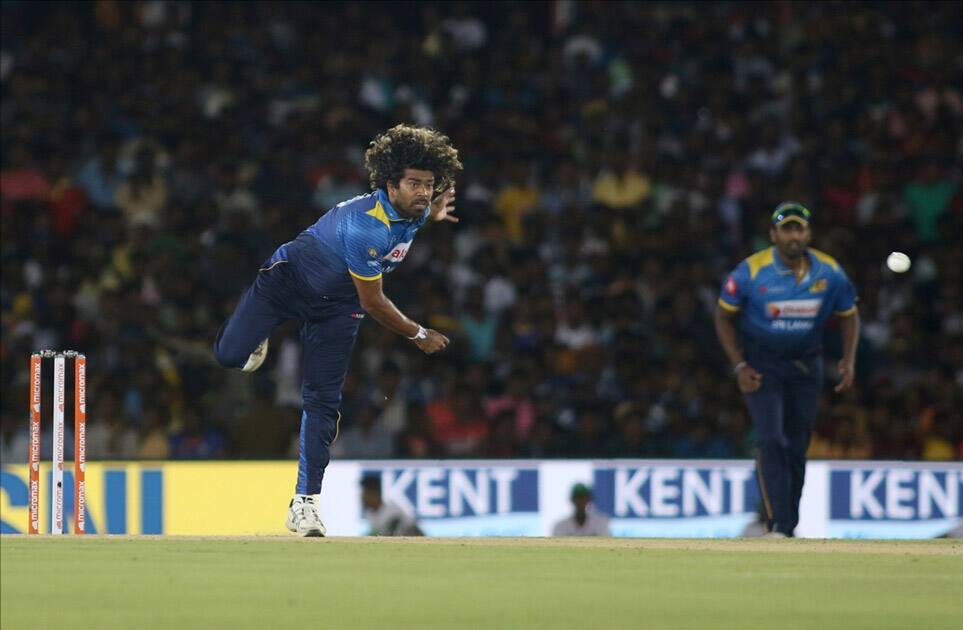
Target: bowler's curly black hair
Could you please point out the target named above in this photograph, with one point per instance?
(405, 146)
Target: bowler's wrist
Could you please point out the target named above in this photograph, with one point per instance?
(421, 334)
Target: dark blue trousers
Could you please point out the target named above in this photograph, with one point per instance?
(783, 413)
(330, 327)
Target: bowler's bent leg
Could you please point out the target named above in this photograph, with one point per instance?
(327, 348)
(261, 308)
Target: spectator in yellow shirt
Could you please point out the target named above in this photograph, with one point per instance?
(515, 201)
(621, 185)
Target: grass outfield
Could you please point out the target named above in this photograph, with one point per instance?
(100, 583)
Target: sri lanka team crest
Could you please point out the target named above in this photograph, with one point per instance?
(731, 287)
(819, 286)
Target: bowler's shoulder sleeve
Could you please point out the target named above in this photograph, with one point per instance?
(365, 237)
(844, 293)
(735, 289)
(844, 300)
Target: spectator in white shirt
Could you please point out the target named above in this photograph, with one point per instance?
(384, 519)
(585, 521)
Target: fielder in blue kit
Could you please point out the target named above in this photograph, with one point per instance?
(330, 276)
(781, 297)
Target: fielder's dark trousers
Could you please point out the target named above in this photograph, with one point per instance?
(330, 327)
(783, 413)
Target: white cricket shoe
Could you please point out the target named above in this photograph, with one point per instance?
(303, 518)
(257, 357)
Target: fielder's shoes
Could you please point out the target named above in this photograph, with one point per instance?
(303, 518)
(774, 534)
(257, 357)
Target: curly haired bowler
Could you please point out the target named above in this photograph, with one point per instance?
(405, 146)
(330, 278)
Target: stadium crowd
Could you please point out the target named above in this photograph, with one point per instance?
(619, 158)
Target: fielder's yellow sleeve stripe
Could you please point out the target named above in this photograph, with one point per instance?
(365, 278)
(847, 312)
(728, 307)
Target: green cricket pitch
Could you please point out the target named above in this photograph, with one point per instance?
(107, 582)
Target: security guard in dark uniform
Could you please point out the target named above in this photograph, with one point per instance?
(781, 297)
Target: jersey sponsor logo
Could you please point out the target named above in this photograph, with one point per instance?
(794, 309)
(819, 286)
(731, 287)
(763, 289)
(397, 254)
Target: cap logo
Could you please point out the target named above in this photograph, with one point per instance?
(791, 211)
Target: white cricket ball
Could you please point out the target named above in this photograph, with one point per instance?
(898, 262)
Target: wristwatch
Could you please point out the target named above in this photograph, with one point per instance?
(421, 334)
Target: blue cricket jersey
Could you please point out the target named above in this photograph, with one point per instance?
(363, 237)
(781, 317)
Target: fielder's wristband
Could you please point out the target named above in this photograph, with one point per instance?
(739, 366)
(421, 334)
